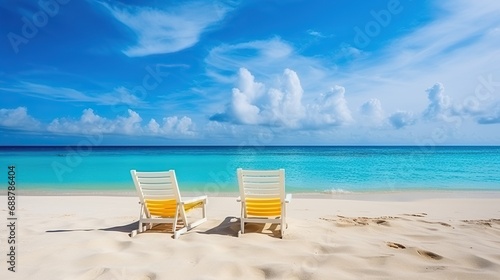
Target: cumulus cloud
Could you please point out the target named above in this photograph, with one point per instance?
(252, 103)
(372, 111)
(401, 119)
(18, 118)
(286, 103)
(247, 93)
(172, 126)
(439, 102)
(170, 29)
(91, 123)
(330, 109)
(477, 106)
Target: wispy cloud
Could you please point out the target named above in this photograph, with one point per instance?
(168, 29)
(265, 59)
(455, 48)
(315, 33)
(493, 117)
(253, 55)
(119, 95)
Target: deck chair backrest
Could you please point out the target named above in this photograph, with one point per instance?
(156, 188)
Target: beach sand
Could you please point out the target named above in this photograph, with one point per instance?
(371, 236)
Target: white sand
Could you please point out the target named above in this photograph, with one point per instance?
(391, 236)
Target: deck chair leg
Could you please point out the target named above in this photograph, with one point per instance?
(176, 219)
(242, 220)
(186, 226)
(180, 232)
(282, 228)
(141, 213)
(204, 210)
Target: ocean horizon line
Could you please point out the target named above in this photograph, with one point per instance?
(251, 146)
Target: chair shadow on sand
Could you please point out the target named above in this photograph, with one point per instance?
(230, 226)
(128, 228)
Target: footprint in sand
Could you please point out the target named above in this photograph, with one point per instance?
(395, 245)
(428, 254)
(423, 253)
(361, 221)
(488, 223)
(416, 215)
(436, 223)
(381, 222)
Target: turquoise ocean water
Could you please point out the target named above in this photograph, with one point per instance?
(213, 169)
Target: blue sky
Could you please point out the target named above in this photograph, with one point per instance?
(384, 72)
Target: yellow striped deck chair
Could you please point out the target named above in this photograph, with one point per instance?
(262, 197)
(161, 201)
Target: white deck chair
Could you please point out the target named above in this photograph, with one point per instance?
(161, 201)
(263, 198)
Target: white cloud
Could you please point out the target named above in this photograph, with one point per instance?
(346, 53)
(456, 47)
(286, 103)
(91, 123)
(244, 96)
(252, 104)
(372, 111)
(253, 55)
(439, 102)
(173, 127)
(170, 29)
(119, 95)
(330, 109)
(317, 34)
(283, 106)
(493, 117)
(265, 58)
(153, 126)
(401, 119)
(18, 119)
(129, 125)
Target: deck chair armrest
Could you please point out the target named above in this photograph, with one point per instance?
(194, 199)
